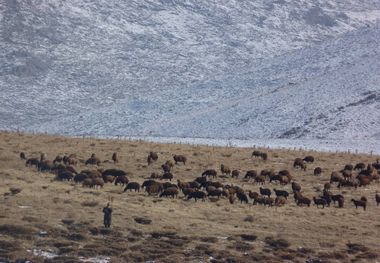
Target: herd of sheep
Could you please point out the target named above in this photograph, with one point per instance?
(207, 186)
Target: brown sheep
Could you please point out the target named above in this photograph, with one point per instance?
(182, 185)
(93, 161)
(377, 198)
(87, 182)
(299, 163)
(92, 173)
(235, 173)
(22, 156)
(260, 180)
(132, 186)
(166, 168)
(347, 174)
(210, 172)
(155, 176)
(362, 202)
(32, 161)
(296, 187)
(154, 189)
(153, 156)
(348, 167)
(320, 201)
(364, 180)
(284, 180)
(225, 169)
(318, 171)
(108, 179)
(115, 158)
(359, 166)
(122, 180)
(58, 159)
(179, 159)
(167, 176)
(250, 174)
(187, 191)
(308, 159)
(97, 182)
(303, 200)
(335, 177)
(171, 191)
(280, 201)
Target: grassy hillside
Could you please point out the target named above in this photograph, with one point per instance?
(65, 219)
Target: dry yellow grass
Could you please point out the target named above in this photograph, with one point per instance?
(181, 231)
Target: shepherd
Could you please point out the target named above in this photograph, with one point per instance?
(107, 216)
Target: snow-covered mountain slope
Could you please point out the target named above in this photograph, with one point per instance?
(219, 69)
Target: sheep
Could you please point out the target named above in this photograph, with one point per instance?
(87, 182)
(215, 192)
(92, 173)
(132, 186)
(308, 159)
(171, 191)
(299, 163)
(377, 198)
(281, 193)
(317, 171)
(201, 180)
(114, 172)
(262, 200)
(22, 156)
(32, 161)
(64, 176)
(260, 180)
(235, 173)
(362, 202)
(210, 188)
(179, 159)
(359, 166)
(154, 189)
(197, 195)
(153, 156)
(225, 169)
(167, 185)
(276, 177)
(347, 174)
(166, 168)
(296, 187)
(300, 199)
(335, 198)
(326, 186)
(167, 176)
(45, 165)
(210, 172)
(284, 180)
(108, 178)
(182, 185)
(115, 158)
(335, 177)
(93, 160)
(364, 180)
(256, 154)
(187, 191)
(215, 184)
(195, 184)
(252, 195)
(265, 191)
(345, 183)
(348, 167)
(319, 201)
(80, 177)
(280, 201)
(250, 174)
(122, 180)
(97, 182)
(242, 197)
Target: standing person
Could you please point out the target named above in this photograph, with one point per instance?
(107, 215)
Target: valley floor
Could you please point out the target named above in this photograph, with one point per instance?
(52, 221)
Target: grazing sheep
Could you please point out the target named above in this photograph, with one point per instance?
(114, 172)
(281, 193)
(296, 187)
(359, 166)
(195, 185)
(346, 183)
(187, 191)
(348, 167)
(167, 176)
(299, 163)
(235, 173)
(115, 158)
(250, 174)
(335, 177)
(179, 159)
(197, 195)
(32, 161)
(22, 156)
(210, 188)
(303, 200)
(225, 169)
(122, 180)
(275, 177)
(364, 180)
(108, 178)
(318, 171)
(153, 156)
(215, 184)
(319, 201)
(256, 154)
(347, 174)
(215, 192)
(242, 197)
(182, 185)
(280, 201)
(167, 185)
(154, 189)
(252, 195)
(166, 168)
(201, 180)
(64, 176)
(377, 198)
(362, 202)
(260, 180)
(284, 180)
(265, 191)
(45, 165)
(87, 182)
(80, 177)
(341, 202)
(210, 172)
(92, 173)
(97, 182)
(308, 159)
(132, 186)
(93, 160)
(147, 183)
(171, 191)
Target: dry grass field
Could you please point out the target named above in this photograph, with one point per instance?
(54, 221)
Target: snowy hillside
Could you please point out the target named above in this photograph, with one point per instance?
(218, 69)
